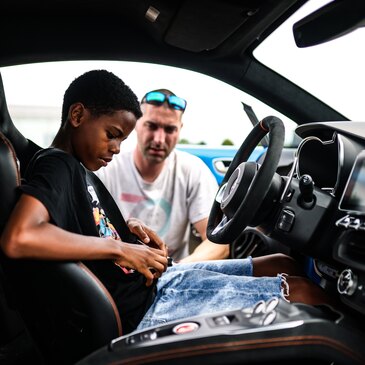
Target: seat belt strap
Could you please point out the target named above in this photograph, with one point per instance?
(110, 207)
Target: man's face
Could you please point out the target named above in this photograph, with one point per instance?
(158, 131)
(96, 139)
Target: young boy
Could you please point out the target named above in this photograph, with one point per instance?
(59, 217)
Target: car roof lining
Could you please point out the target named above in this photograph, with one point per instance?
(207, 30)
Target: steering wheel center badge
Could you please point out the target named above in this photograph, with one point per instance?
(185, 327)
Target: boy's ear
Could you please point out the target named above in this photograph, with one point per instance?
(76, 113)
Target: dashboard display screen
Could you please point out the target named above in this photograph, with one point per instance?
(353, 198)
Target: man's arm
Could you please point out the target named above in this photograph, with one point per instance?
(206, 250)
(29, 234)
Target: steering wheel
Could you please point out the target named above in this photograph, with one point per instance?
(246, 184)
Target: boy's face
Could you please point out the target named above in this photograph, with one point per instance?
(96, 139)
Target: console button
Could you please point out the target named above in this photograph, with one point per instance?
(260, 307)
(131, 340)
(268, 318)
(286, 220)
(221, 320)
(344, 222)
(347, 282)
(185, 328)
(355, 223)
(148, 336)
(271, 304)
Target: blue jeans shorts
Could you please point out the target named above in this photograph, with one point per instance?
(191, 289)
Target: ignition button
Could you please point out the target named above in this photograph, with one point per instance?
(185, 328)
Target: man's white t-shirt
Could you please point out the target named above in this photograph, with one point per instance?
(182, 194)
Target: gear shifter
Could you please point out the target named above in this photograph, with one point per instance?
(306, 186)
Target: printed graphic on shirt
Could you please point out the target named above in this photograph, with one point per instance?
(155, 213)
(103, 224)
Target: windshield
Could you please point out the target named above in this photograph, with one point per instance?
(214, 113)
(332, 71)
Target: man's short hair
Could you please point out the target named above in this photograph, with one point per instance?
(101, 92)
(164, 91)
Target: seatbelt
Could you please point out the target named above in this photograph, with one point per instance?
(110, 207)
(112, 211)
(254, 120)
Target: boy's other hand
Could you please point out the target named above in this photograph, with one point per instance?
(147, 235)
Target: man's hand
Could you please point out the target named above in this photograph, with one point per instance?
(146, 234)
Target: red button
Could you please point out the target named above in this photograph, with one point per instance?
(185, 328)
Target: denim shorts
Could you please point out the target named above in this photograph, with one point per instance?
(191, 289)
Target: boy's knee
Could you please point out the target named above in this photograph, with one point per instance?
(274, 264)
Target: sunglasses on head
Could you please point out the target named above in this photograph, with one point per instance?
(158, 98)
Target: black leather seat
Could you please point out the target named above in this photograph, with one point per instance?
(66, 308)
(25, 148)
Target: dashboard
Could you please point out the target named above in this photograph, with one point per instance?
(321, 212)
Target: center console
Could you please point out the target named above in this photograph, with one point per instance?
(269, 332)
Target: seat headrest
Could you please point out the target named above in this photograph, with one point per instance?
(9, 179)
(25, 148)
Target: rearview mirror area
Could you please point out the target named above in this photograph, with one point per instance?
(329, 22)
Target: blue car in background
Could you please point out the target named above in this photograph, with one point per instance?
(218, 158)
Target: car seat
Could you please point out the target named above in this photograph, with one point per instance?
(67, 310)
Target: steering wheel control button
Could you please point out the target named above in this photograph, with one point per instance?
(185, 327)
(286, 220)
(347, 282)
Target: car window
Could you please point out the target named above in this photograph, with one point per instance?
(332, 71)
(214, 113)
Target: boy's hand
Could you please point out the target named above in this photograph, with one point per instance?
(150, 262)
(146, 235)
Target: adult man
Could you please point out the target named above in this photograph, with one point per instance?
(166, 189)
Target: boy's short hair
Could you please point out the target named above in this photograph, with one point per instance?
(101, 92)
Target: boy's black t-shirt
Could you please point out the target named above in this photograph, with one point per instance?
(58, 180)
